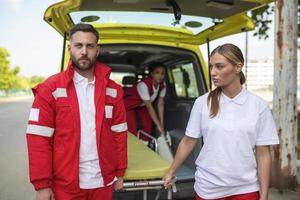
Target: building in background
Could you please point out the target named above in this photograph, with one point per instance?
(260, 76)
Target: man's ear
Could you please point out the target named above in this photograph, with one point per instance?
(69, 47)
(98, 51)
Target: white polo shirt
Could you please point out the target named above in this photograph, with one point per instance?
(144, 92)
(226, 164)
(89, 169)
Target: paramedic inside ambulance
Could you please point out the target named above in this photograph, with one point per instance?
(139, 102)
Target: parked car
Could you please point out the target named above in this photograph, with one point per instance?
(133, 33)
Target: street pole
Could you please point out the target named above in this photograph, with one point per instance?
(285, 94)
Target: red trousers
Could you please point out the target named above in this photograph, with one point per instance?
(247, 196)
(103, 193)
(144, 117)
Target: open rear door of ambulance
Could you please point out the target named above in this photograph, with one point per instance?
(190, 22)
(198, 21)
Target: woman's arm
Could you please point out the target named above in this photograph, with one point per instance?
(160, 105)
(264, 162)
(153, 116)
(185, 147)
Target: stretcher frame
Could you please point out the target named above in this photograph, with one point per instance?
(149, 184)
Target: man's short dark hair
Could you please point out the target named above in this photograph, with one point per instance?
(84, 28)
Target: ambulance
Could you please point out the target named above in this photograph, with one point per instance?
(134, 33)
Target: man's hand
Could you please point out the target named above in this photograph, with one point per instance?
(45, 194)
(118, 185)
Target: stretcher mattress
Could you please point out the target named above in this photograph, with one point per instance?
(143, 163)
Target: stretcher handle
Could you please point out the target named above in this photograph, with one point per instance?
(145, 183)
(142, 183)
(139, 132)
(150, 136)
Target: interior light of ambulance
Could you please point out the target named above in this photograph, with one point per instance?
(90, 18)
(193, 24)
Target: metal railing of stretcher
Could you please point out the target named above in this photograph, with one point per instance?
(145, 185)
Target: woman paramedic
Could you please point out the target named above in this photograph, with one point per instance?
(139, 100)
(237, 129)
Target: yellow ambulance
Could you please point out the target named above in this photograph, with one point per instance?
(134, 33)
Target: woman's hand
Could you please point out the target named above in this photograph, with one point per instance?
(161, 130)
(168, 177)
(263, 198)
(154, 117)
(264, 163)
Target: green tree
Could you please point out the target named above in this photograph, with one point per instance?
(263, 19)
(22, 83)
(34, 80)
(8, 75)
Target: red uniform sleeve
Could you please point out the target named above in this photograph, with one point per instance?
(119, 128)
(39, 134)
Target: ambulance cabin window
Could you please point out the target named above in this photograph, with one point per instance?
(185, 83)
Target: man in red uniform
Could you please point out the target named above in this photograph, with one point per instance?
(77, 130)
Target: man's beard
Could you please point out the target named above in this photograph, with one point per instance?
(83, 67)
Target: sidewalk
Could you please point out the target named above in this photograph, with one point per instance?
(275, 194)
(284, 195)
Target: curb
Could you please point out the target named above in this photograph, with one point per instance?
(14, 99)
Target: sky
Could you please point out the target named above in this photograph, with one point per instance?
(37, 48)
(32, 43)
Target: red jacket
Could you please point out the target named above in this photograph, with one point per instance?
(132, 98)
(53, 132)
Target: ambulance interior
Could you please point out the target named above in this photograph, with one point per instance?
(184, 81)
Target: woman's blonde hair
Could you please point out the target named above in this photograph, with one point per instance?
(235, 56)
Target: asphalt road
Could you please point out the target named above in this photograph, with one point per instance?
(14, 181)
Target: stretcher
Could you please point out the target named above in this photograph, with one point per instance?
(145, 168)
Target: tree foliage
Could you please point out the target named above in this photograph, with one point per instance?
(22, 83)
(34, 80)
(9, 79)
(8, 75)
(262, 18)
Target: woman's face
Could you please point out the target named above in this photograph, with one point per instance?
(223, 73)
(158, 75)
